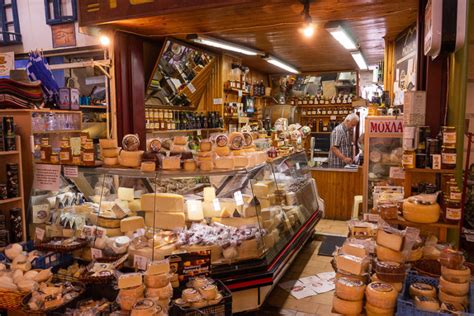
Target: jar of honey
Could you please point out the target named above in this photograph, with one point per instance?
(54, 158)
(408, 159)
(452, 211)
(65, 153)
(88, 153)
(449, 136)
(76, 159)
(84, 137)
(448, 157)
(45, 150)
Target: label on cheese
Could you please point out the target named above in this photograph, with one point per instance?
(39, 233)
(96, 253)
(140, 262)
(216, 204)
(100, 232)
(88, 231)
(238, 198)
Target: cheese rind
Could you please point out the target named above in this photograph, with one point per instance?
(424, 303)
(377, 311)
(353, 249)
(162, 202)
(453, 299)
(386, 254)
(350, 290)
(381, 294)
(344, 307)
(130, 280)
(158, 267)
(126, 194)
(263, 189)
(423, 214)
(168, 221)
(422, 289)
(458, 289)
(171, 163)
(389, 240)
(222, 151)
(352, 264)
(131, 223)
(224, 163)
(458, 276)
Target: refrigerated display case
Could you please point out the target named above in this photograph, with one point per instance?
(383, 150)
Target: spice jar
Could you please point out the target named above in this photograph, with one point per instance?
(45, 150)
(448, 158)
(408, 159)
(76, 159)
(65, 153)
(84, 137)
(54, 158)
(452, 211)
(449, 136)
(88, 157)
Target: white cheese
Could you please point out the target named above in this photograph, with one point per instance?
(126, 194)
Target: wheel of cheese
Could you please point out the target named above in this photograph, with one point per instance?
(377, 311)
(110, 161)
(429, 304)
(221, 140)
(453, 299)
(457, 276)
(386, 254)
(350, 290)
(458, 289)
(108, 143)
(130, 159)
(236, 140)
(422, 289)
(222, 151)
(418, 213)
(381, 294)
(162, 293)
(157, 280)
(134, 292)
(397, 285)
(145, 307)
(415, 254)
(110, 152)
(346, 307)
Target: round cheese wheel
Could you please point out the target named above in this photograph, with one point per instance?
(458, 289)
(397, 285)
(377, 311)
(350, 290)
(346, 307)
(110, 153)
(386, 254)
(133, 292)
(221, 140)
(422, 289)
(429, 304)
(13, 250)
(418, 213)
(131, 159)
(209, 292)
(110, 161)
(145, 307)
(453, 299)
(381, 294)
(157, 280)
(457, 276)
(236, 140)
(415, 254)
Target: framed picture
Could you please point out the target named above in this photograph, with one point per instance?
(64, 35)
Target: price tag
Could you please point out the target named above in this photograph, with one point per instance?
(397, 173)
(39, 233)
(88, 231)
(198, 132)
(96, 253)
(100, 232)
(71, 171)
(240, 93)
(333, 117)
(297, 166)
(238, 198)
(140, 262)
(216, 204)
(191, 88)
(217, 101)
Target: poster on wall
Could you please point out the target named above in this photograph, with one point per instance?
(405, 63)
(64, 35)
(7, 63)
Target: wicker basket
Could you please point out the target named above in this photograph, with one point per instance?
(11, 300)
(48, 246)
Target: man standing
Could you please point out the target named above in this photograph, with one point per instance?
(341, 151)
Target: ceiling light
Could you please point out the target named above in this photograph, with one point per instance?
(280, 64)
(104, 40)
(341, 35)
(204, 40)
(308, 31)
(359, 59)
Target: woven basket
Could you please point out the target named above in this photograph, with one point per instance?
(47, 246)
(11, 300)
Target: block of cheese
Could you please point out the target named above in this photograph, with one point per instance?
(269, 240)
(129, 280)
(352, 264)
(168, 221)
(377, 311)
(224, 163)
(171, 163)
(158, 267)
(209, 194)
(119, 211)
(458, 289)
(269, 213)
(108, 143)
(241, 161)
(344, 307)
(353, 249)
(135, 205)
(222, 151)
(263, 189)
(389, 239)
(132, 159)
(126, 194)
(350, 290)
(190, 165)
(205, 145)
(459, 276)
(422, 289)
(206, 165)
(236, 221)
(131, 224)
(419, 213)
(162, 202)
(386, 254)
(159, 254)
(269, 224)
(250, 249)
(453, 299)
(180, 140)
(428, 304)
(113, 232)
(266, 203)
(209, 210)
(381, 294)
(249, 210)
(111, 161)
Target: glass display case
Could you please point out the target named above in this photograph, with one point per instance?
(383, 150)
(244, 215)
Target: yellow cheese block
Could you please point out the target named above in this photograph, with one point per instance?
(135, 205)
(386, 254)
(423, 214)
(236, 221)
(162, 202)
(131, 159)
(222, 151)
(168, 221)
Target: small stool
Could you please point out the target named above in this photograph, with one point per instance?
(358, 199)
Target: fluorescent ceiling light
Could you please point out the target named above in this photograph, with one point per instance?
(204, 40)
(280, 64)
(359, 59)
(341, 35)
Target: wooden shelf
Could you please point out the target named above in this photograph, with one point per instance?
(171, 107)
(151, 131)
(402, 221)
(321, 115)
(321, 132)
(432, 171)
(94, 107)
(16, 199)
(235, 91)
(11, 152)
(342, 105)
(59, 132)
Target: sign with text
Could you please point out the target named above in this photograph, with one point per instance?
(190, 265)
(382, 127)
(7, 63)
(47, 177)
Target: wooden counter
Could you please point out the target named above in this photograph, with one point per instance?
(337, 187)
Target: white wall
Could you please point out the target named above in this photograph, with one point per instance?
(36, 34)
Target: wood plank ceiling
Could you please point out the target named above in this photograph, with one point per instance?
(273, 26)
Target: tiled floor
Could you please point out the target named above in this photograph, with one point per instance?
(280, 302)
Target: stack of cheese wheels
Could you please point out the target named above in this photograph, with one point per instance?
(424, 296)
(202, 292)
(455, 278)
(130, 290)
(389, 265)
(130, 156)
(163, 210)
(110, 151)
(157, 281)
(381, 298)
(352, 264)
(205, 155)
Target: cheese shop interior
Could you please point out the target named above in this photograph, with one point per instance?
(265, 157)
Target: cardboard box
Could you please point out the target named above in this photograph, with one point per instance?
(414, 108)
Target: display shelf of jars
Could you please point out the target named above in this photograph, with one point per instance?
(153, 131)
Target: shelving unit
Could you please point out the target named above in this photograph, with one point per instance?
(417, 175)
(64, 131)
(93, 107)
(181, 131)
(440, 228)
(15, 202)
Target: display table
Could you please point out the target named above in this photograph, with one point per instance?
(337, 187)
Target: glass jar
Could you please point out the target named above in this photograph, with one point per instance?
(408, 159)
(329, 111)
(84, 137)
(65, 153)
(452, 211)
(323, 111)
(88, 154)
(76, 159)
(448, 158)
(303, 111)
(449, 136)
(54, 158)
